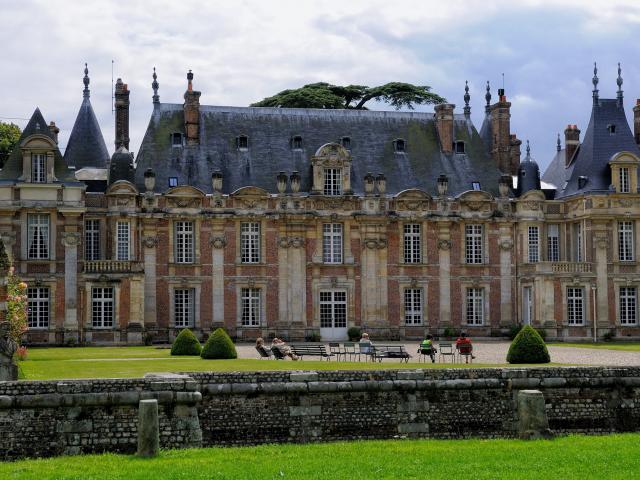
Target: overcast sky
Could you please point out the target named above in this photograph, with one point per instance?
(242, 51)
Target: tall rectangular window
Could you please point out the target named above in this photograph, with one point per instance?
(92, 239)
(473, 243)
(332, 243)
(533, 236)
(37, 307)
(102, 303)
(250, 242)
(475, 306)
(625, 241)
(577, 242)
(333, 181)
(184, 307)
(413, 306)
(333, 309)
(412, 243)
(553, 243)
(625, 185)
(628, 305)
(575, 305)
(38, 168)
(38, 236)
(250, 307)
(123, 240)
(184, 242)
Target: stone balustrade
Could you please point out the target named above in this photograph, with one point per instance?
(113, 266)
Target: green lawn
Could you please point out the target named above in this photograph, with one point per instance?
(626, 347)
(574, 457)
(120, 362)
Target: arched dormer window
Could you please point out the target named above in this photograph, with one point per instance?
(459, 147)
(176, 139)
(346, 142)
(242, 142)
(399, 145)
(38, 168)
(296, 142)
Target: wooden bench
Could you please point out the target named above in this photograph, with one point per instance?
(390, 351)
(313, 350)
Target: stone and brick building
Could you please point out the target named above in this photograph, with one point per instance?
(291, 222)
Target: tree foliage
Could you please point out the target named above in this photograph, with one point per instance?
(9, 136)
(324, 95)
(16, 306)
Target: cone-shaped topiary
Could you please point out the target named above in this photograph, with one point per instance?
(186, 343)
(219, 345)
(528, 347)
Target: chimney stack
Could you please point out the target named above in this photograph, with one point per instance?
(444, 126)
(636, 121)
(501, 131)
(122, 114)
(54, 131)
(571, 143)
(191, 113)
(514, 151)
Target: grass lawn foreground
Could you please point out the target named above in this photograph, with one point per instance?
(573, 457)
(622, 346)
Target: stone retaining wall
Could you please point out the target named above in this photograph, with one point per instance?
(51, 418)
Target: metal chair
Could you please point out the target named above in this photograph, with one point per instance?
(465, 350)
(334, 349)
(424, 353)
(350, 349)
(447, 350)
(366, 349)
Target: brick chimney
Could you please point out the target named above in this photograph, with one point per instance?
(501, 131)
(571, 143)
(514, 152)
(191, 113)
(54, 131)
(444, 126)
(122, 114)
(636, 121)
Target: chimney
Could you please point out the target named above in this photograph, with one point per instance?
(191, 113)
(54, 131)
(501, 131)
(122, 114)
(571, 143)
(514, 151)
(636, 121)
(444, 126)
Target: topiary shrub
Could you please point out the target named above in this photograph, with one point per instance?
(528, 347)
(514, 330)
(219, 346)
(354, 334)
(186, 343)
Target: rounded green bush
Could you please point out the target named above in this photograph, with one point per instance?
(219, 346)
(528, 347)
(186, 343)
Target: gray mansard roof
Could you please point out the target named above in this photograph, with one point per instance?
(594, 153)
(270, 130)
(86, 147)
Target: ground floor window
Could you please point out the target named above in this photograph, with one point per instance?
(575, 305)
(102, 303)
(183, 307)
(333, 309)
(413, 306)
(38, 307)
(250, 307)
(628, 305)
(475, 306)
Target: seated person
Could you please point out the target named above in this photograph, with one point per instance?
(365, 339)
(283, 347)
(464, 346)
(427, 348)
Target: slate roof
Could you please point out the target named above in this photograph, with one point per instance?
(12, 169)
(270, 131)
(86, 147)
(593, 156)
(121, 166)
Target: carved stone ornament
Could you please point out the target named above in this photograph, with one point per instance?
(293, 242)
(217, 242)
(602, 241)
(413, 283)
(184, 202)
(375, 243)
(8, 238)
(625, 203)
(506, 244)
(531, 205)
(150, 241)
(444, 244)
(70, 239)
(476, 205)
(123, 201)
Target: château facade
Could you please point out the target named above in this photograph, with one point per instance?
(293, 222)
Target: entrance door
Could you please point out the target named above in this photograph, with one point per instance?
(333, 315)
(527, 305)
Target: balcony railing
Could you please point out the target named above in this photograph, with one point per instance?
(564, 267)
(112, 266)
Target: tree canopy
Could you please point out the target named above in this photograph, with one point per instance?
(325, 95)
(9, 136)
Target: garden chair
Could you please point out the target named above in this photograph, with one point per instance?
(424, 353)
(446, 350)
(365, 349)
(335, 349)
(465, 350)
(278, 354)
(350, 349)
(265, 352)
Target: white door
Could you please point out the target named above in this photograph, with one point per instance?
(333, 315)
(527, 305)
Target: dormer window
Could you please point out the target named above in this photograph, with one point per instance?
(346, 142)
(475, 186)
(333, 181)
(242, 142)
(38, 168)
(296, 142)
(625, 182)
(399, 145)
(611, 129)
(459, 147)
(176, 139)
(173, 182)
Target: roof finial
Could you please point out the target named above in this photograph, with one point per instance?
(528, 150)
(488, 98)
(467, 97)
(85, 80)
(155, 85)
(190, 79)
(595, 83)
(558, 144)
(619, 82)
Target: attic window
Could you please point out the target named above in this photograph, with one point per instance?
(611, 129)
(176, 139)
(399, 145)
(475, 185)
(459, 146)
(346, 142)
(242, 142)
(173, 181)
(296, 142)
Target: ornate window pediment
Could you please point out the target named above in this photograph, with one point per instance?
(476, 200)
(184, 196)
(331, 170)
(412, 199)
(38, 158)
(624, 172)
(250, 197)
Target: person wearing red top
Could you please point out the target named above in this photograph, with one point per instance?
(463, 345)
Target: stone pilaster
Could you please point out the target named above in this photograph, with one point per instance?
(218, 243)
(373, 276)
(71, 240)
(149, 249)
(444, 261)
(507, 316)
(601, 240)
(292, 291)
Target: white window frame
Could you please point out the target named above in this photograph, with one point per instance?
(332, 181)
(38, 168)
(250, 306)
(577, 242)
(474, 251)
(412, 243)
(628, 306)
(38, 307)
(575, 306)
(332, 243)
(184, 241)
(625, 241)
(625, 180)
(333, 308)
(103, 307)
(38, 236)
(413, 306)
(123, 241)
(553, 242)
(533, 244)
(474, 306)
(250, 242)
(92, 239)
(184, 311)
